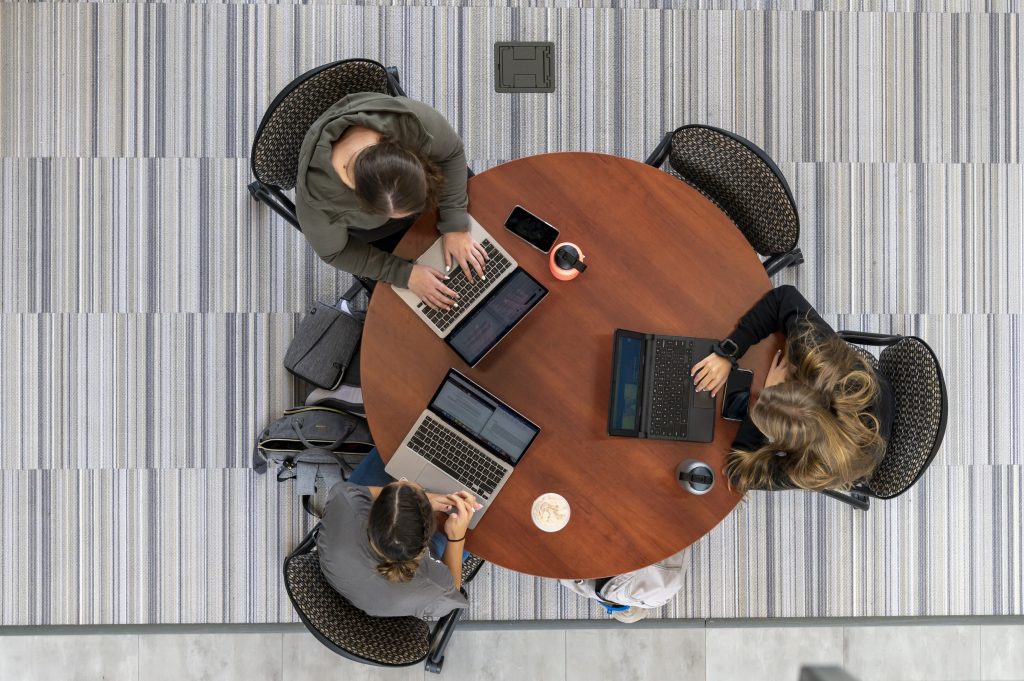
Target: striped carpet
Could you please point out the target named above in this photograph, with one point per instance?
(146, 301)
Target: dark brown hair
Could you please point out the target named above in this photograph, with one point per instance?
(392, 179)
(399, 529)
(821, 418)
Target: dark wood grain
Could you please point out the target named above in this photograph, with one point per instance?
(662, 259)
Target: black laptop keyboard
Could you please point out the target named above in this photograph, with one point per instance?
(456, 457)
(671, 387)
(468, 289)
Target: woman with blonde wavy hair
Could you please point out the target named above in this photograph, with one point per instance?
(824, 415)
(379, 544)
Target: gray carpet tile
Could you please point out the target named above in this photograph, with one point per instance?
(144, 546)
(182, 235)
(892, 6)
(178, 235)
(809, 86)
(146, 301)
(164, 391)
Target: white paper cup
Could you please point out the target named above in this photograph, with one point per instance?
(550, 512)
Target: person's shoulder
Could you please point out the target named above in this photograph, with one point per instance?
(348, 494)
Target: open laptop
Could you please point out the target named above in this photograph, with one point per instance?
(488, 308)
(466, 439)
(652, 392)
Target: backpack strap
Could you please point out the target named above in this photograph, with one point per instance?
(331, 447)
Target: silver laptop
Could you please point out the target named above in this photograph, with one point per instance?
(471, 291)
(466, 439)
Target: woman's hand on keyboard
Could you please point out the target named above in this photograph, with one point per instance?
(710, 373)
(428, 284)
(463, 249)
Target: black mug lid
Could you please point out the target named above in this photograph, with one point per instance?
(567, 258)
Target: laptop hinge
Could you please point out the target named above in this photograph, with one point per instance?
(647, 372)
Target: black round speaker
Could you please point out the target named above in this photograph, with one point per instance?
(695, 477)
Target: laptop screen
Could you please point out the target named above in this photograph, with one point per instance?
(492, 319)
(483, 417)
(626, 383)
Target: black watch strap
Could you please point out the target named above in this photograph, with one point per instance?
(726, 348)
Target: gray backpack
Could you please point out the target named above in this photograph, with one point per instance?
(316, 445)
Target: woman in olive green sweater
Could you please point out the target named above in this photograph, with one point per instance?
(367, 168)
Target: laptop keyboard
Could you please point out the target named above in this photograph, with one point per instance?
(436, 443)
(468, 289)
(671, 387)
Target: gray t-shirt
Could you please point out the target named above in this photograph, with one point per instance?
(350, 567)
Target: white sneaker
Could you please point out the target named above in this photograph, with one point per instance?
(634, 614)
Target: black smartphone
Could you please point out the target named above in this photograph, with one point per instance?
(531, 229)
(737, 394)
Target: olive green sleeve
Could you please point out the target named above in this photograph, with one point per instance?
(447, 151)
(364, 260)
(330, 240)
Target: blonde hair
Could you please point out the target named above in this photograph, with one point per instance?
(821, 419)
(399, 528)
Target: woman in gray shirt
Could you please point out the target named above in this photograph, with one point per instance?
(375, 545)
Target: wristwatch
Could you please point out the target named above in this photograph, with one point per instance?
(726, 348)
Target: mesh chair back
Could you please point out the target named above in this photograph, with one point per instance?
(919, 421)
(745, 183)
(344, 628)
(275, 151)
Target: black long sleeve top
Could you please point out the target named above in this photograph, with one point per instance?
(780, 310)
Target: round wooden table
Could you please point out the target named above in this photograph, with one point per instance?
(662, 259)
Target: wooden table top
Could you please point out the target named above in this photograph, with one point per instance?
(662, 259)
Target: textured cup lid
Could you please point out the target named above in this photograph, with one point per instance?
(550, 512)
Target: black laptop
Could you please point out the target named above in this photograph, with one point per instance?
(652, 392)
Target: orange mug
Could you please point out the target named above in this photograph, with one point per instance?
(566, 261)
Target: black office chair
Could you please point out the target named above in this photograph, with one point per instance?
(743, 181)
(919, 419)
(275, 149)
(350, 632)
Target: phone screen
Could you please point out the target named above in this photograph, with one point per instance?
(737, 394)
(528, 226)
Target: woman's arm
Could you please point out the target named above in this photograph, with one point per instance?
(447, 151)
(452, 560)
(455, 528)
(776, 311)
(329, 237)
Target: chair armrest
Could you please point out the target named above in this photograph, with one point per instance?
(869, 338)
(657, 156)
(394, 81)
(856, 500)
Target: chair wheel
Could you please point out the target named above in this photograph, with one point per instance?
(435, 667)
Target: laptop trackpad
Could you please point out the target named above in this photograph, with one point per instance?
(435, 480)
(703, 399)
